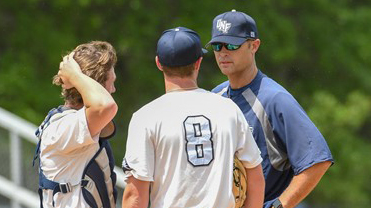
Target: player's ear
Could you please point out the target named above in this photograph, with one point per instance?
(198, 63)
(255, 45)
(159, 66)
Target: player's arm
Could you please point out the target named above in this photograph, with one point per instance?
(255, 187)
(136, 193)
(99, 104)
(302, 184)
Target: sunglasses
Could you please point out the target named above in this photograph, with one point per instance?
(230, 47)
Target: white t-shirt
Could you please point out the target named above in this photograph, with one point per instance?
(65, 150)
(184, 143)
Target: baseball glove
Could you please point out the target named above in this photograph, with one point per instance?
(239, 182)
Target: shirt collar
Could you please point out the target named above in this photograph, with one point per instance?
(254, 84)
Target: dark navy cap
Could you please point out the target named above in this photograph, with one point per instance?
(179, 47)
(233, 28)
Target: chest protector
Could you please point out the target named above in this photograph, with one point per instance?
(98, 179)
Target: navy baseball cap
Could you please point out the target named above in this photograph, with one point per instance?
(179, 47)
(233, 28)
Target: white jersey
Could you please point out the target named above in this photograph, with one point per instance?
(184, 143)
(65, 150)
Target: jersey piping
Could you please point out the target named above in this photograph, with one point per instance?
(277, 157)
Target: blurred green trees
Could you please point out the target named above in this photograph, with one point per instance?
(318, 49)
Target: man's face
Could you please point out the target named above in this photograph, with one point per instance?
(110, 83)
(232, 62)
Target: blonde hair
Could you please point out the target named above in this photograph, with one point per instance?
(95, 59)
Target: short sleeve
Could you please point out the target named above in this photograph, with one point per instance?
(300, 138)
(247, 149)
(70, 131)
(139, 158)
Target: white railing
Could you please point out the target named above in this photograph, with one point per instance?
(12, 189)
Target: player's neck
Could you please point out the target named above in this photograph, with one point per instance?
(239, 80)
(179, 84)
(76, 106)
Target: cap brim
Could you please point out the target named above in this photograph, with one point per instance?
(226, 39)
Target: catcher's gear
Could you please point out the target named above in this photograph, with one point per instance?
(239, 188)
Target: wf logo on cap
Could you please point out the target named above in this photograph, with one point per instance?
(223, 26)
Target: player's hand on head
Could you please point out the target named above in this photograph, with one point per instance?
(68, 68)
